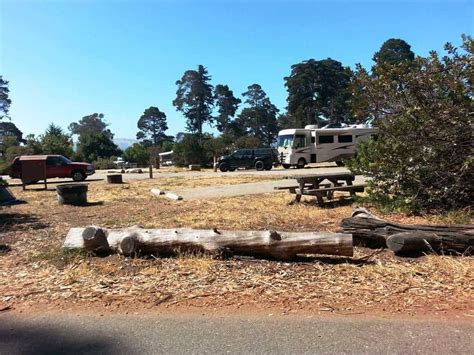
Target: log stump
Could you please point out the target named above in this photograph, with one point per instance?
(114, 179)
(194, 167)
(72, 194)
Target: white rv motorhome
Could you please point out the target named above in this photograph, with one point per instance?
(301, 146)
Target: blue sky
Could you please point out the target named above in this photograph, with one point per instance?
(66, 59)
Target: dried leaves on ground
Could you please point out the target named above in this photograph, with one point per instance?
(36, 271)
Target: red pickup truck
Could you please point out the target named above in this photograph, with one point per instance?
(57, 166)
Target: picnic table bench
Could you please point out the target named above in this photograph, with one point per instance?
(315, 185)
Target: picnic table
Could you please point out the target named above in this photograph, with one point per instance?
(323, 185)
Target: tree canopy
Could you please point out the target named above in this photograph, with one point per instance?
(56, 141)
(152, 126)
(93, 123)
(137, 153)
(318, 89)
(227, 106)
(5, 101)
(9, 129)
(194, 98)
(394, 51)
(259, 118)
(94, 145)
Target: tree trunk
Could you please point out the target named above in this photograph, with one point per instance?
(369, 230)
(264, 244)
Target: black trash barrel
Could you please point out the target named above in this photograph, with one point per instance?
(72, 194)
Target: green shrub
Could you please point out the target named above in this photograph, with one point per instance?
(104, 163)
(190, 151)
(422, 158)
(138, 154)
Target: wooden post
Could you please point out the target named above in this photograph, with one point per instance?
(150, 171)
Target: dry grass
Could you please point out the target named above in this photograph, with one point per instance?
(36, 271)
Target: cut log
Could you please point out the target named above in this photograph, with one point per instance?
(95, 239)
(114, 179)
(173, 196)
(264, 244)
(157, 192)
(371, 231)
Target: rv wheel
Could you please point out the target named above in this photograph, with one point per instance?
(286, 166)
(301, 163)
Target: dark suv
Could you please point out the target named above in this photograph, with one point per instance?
(258, 158)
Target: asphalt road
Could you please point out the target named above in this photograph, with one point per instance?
(194, 334)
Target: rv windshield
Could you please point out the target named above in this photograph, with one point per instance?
(285, 141)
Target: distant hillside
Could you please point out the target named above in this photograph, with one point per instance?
(124, 143)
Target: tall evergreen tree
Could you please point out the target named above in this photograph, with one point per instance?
(4, 98)
(152, 126)
(259, 119)
(393, 51)
(227, 106)
(56, 141)
(318, 89)
(195, 100)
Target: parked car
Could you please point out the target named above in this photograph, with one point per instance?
(57, 166)
(258, 158)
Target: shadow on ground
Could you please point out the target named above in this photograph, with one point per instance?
(19, 338)
(19, 221)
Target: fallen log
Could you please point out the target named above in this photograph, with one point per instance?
(263, 244)
(371, 231)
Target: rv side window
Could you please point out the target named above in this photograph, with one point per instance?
(300, 142)
(345, 139)
(325, 139)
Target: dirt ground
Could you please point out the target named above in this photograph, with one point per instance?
(36, 273)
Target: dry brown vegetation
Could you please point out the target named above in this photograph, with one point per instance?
(36, 271)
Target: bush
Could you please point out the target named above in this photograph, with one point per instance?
(138, 154)
(190, 151)
(4, 167)
(104, 163)
(422, 158)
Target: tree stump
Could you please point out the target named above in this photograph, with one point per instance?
(72, 194)
(114, 179)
